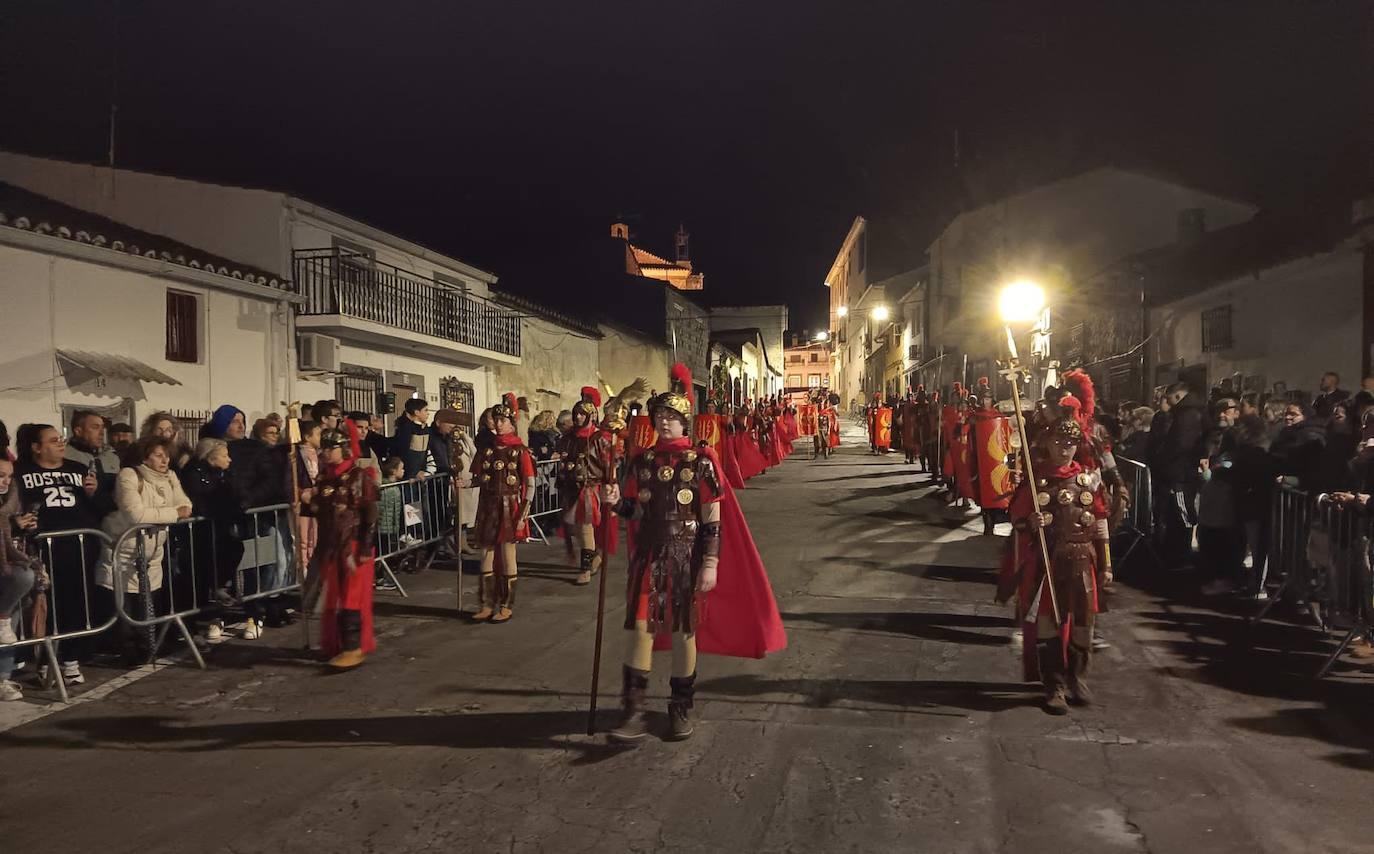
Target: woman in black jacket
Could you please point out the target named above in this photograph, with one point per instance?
(219, 538)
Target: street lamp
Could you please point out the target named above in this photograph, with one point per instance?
(842, 311)
(1022, 301)
(880, 313)
(822, 336)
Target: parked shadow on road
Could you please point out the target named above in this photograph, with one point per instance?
(508, 730)
(946, 628)
(922, 694)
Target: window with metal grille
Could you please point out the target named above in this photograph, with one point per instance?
(183, 340)
(1216, 329)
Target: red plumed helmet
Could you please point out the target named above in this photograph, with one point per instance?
(1079, 384)
(678, 396)
(511, 403)
(591, 394)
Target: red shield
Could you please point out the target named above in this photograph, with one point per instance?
(806, 419)
(641, 433)
(708, 429)
(991, 447)
(883, 430)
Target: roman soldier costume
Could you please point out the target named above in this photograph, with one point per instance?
(504, 473)
(696, 582)
(344, 505)
(1058, 602)
(577, 487)
(747, 454)
(605, 461)
(911, 427)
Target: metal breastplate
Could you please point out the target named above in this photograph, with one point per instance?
(501, 470)
(573, 469)
(670, 490)
(1069, 503)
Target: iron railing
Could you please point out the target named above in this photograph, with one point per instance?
(336, 282)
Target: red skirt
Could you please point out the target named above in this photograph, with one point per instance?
(346, 591)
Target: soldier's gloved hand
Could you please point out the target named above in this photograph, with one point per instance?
(610, 493)
(707, 581)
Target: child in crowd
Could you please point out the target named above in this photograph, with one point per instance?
(307, 470)
(390, 515)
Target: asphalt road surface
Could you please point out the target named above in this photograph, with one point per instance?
(894, 721)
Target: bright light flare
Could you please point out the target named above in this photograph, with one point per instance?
(842, 311)
(1021, 302)
(822, 336)
(880, 313)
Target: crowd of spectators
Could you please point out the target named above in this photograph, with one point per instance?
(101, 477)
(1216, 460)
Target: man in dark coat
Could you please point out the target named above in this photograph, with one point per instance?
(1178, 465)
(410, 442)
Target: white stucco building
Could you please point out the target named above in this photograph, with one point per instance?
(377, 313)
(103, 316)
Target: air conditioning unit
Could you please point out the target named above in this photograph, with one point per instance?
(318, 352)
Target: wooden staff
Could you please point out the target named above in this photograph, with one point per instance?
(458, 539)
(293, 436)
(608, 519)
(1014, 374)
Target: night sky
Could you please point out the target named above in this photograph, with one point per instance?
(503, 132)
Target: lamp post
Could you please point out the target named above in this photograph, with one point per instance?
(1021, 302)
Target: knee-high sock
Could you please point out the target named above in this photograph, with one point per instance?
(639, 647)
(587, 533)
(488, 561)
(684, 654)
(508, 558)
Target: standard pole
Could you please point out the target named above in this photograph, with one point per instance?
(1015, 375)
(458, 539)
(608, 519)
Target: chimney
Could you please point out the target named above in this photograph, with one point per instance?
(621, 230)
(683, 256)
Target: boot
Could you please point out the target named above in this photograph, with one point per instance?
(503, 608)
(634, 725)
(680, 707)
(351, 641)
(1052, 676)
(1079, 658)
(588, 567)
(486, 595)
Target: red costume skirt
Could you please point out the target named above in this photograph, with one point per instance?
(345, 591)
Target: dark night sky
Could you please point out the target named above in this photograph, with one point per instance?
(500, 131)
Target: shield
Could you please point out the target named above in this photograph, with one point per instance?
(806, 419)
(641, 433)
(883, 428)
(992, 446)
(709, 429)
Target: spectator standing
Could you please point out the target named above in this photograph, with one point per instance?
(1339, 446)
(121, 438)
(148, 493)
(327, 414)
(87, 448)
(371, 442)
(1329, 394)
(267, 431)
(213, 497)
(6, 452)
(410, 442)
(164, 425)
(543, 436)
(61, 493)
(1178, 464)
(1135, 434)
(307, 462)
(1219, 543)
(1253, 474)
(18, 574)
(1298, 446)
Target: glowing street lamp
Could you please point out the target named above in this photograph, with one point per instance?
(1022, 301)
(880, 313)
(842, 311)
(822, 336)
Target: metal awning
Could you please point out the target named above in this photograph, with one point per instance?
(112, 367)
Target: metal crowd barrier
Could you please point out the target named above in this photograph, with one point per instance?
(1137, 524)
(545, 501)
(413, 515)
(56, 559)
(1321, 549)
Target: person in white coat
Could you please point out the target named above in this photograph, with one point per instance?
(147, 493)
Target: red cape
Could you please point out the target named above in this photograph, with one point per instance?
(751, 462)
(739, 618)
(730, 461)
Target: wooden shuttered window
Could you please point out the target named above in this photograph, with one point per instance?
(183, 340)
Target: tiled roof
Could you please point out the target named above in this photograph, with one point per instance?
(26, 211)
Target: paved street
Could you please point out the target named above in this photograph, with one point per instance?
(894, 721)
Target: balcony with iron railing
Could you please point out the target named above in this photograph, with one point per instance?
(349, 287)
